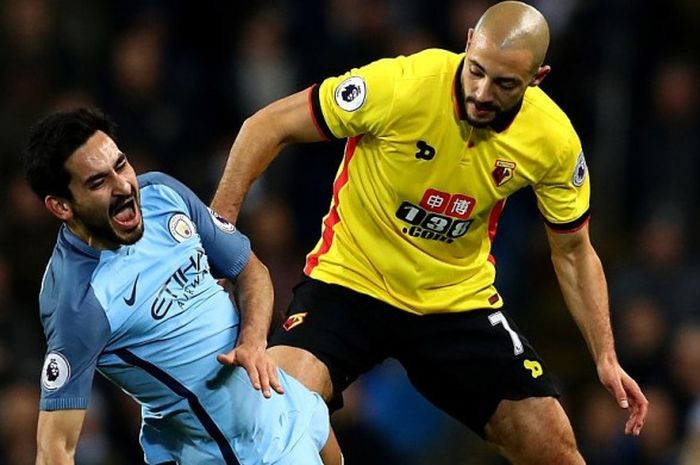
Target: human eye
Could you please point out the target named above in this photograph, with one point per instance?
(121, 162)
(475, 71)
(96, 184)
(507, 84)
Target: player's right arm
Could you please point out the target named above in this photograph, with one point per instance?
(77, 331)
(261, 138)
(57, 436)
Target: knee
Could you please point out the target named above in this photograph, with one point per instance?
(304, 367)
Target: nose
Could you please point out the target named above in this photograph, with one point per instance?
(483, 92)
(122, 186)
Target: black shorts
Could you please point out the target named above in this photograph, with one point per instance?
(464, 363)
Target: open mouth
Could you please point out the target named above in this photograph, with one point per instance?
(126, 214)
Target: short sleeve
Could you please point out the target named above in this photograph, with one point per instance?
(563, 194)
(226, 247)
(77, 332)
(357, 102)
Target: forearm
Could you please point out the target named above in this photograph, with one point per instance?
(585, 291)
(260, 139)
(57, 436)
(582, 281)
(250, 154)
(54, 455)
(255, 296)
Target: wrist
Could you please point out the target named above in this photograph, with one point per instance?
(252, 338)
(606, 358)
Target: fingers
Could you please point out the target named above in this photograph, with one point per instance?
(628, 396)
(267, 372)
(615, 386)
(274, 380)
(639, 410)
(227, 359)
(254, 376)
(261, 369)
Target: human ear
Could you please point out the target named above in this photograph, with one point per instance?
(470, 33)
(541, 73)
(59, 207)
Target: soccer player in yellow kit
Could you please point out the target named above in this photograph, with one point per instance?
(436, 142)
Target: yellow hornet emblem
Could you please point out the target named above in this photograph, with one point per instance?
(294, 320)
(534, 367)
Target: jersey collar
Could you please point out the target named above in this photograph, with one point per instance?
(74, 241)
(499, 124)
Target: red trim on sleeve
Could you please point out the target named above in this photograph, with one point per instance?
(333, 218)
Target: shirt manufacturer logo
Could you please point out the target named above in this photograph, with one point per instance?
(132, 298)
(534, 366)
(425, 151)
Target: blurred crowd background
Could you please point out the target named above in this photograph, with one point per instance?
(179, 77)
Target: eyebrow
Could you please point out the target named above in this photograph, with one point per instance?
(121, 157)
(498, 78)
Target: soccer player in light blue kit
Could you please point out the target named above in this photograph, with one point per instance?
(130, 291)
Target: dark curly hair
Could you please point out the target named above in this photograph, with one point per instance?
(52, 140)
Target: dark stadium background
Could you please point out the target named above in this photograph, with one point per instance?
(180, 77)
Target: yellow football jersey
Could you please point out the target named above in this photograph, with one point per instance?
(417, 198)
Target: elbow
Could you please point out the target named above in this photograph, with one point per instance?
(271, 124)
(264, 271)
(257, 270)
(264, 124)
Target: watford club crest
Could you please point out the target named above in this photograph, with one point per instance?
(503, 172)
(294, 321)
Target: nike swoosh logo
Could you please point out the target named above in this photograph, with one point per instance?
(132, 298)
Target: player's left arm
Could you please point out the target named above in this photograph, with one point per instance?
(582, 281)
(230, 256)
(255, 297)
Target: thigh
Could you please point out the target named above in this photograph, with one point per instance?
(304, 452)
(337, 327)
(518, 429)
(313, 423)
(270, 430)
(467, 363)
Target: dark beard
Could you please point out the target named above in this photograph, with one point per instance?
(481, 124)
(103, 231)
(477, 124)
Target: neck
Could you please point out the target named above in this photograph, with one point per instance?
(84, 235)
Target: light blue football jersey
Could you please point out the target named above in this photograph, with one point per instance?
(151, 317)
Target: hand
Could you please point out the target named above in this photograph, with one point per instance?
(627, 393)
(261, 369)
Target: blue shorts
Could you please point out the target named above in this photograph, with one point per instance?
(287, 429)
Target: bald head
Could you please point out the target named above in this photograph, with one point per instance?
(515, 26)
